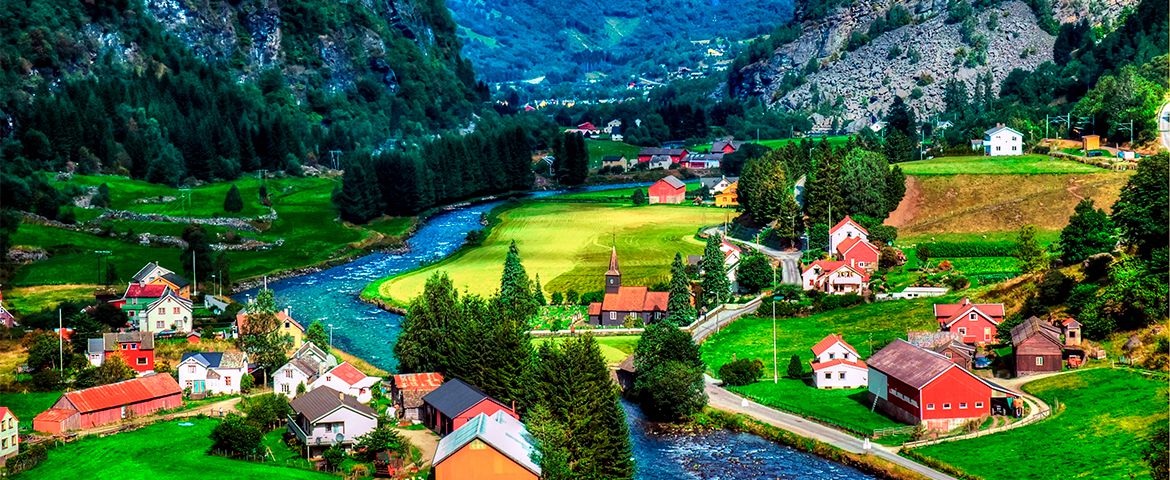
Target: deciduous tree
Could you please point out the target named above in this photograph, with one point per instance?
(715, 284)
(1089, 231)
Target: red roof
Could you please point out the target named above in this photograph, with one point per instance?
(145, 291)
(54, 415)
(348, 374)
(5, 411)
(128, 392)
(657, 301)
(838, 361)
(418, 381)
(595, 308)
(845, 221)
(947, 313)
(635, 299)
(829, 266)
(1069, 321)
(846, 245)
(829, 341)
(586, 126)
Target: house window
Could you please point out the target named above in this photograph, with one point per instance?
(978, 404)
(1013, 148)
(134, 346)
(227, 381)
(840, 375)
(828, 375)
(1072, 334)
(963, 331)
(948, 354)
(962, 405)
(987, 333)
(613, 315)
(1039, 361)
(832, 356)
(329, 378)
(158, 324)
(190, 369)
(972, 316)
(141, 360)
(930, 406)
(946, 406)
(176, 310)
(998, 148)
(4, 444)
(284, 388)
(477, 445)
(162, 310)
(288, 373)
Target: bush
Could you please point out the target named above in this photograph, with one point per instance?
(557, 298)
(741, 372)
(236, 437)
(971, 249)
(334, 457)
(27, 459)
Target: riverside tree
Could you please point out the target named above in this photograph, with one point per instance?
(669, 382)
(261, 337)
(317, 335)
(716, 286)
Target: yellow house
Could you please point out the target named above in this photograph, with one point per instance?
(728, 197)
(287, 326)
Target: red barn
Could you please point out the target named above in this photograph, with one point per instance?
(676, 154)
(97, 406)
(858, 253)
(915, 385)
(668, 190)
(975, 322)
(455, 403)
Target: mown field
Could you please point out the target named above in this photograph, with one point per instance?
(616, 195)
(866, 327)
(1008, 165)
(836, 140)
(27, 405)
(157, 452)
(568, 245)
(1100, 433)
(614, 349)
(599, 149)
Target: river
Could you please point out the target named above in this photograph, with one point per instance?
(369, 332)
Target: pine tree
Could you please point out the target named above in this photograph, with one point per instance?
(895, 189)
(1089, 231)
(823, 192)
(795, 367)
(424, 344)
(233, 202)
(866, 173)
(1029, 254)
(538, 293)
(715, 284)
(679, 307)
(515, 288)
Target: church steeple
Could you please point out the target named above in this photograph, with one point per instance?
(613, 277)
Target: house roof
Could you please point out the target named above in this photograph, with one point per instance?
(935, 340)
(145, 291)
(218, 359)
(502, 432)
(352, 376)
(141, 275)
(5, 411)
(418, 381)
(719, 144)
(830, 266)
(673, 181)
(829, 341)
(305, 365)
(912, 365)
(837, 361)
(709, 182)
(846, 221)
(321, 401)
(281, 315)
(635, 299)
(671, 152)
(175, 279)
(850, 243)
(1000, 128)
(612, 158)
(95, 345)
(124, 393)
(949, 313)
(54, 415)
(595, 308)
(1033, 326)
(455, 396)
(110, 341)
(171, 295)
(1070, 322)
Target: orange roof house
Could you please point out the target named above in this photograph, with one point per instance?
(622, 301)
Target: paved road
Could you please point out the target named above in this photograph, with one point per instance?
(719, 319)
(724, 400)
(789, 261)
(1164, 125)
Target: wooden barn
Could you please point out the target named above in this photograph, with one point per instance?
(1037, 347)
(455, 403)
(92, 407)
(668, 190)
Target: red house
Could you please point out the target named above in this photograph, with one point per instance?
(858, 253)
(455, 403)
(96, 406)
(668, 190)
(726, 145)
(918, 386)
(676, 154)
(975, 322)
(135, 348)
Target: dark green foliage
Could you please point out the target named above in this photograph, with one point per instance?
(795, 367)
(235, 437)
(112, 370)
(109, 315)
(741, 372)
(715, 284)
(901, 118)
(557, 298)
(957, 10)
(765, 191)
(102, 198)
(572, 297)
(822, 192)
(734, 162)
(516, 288)
(42, 351)
(1155, 453)
(755, 272)
(317, 335)
(865, 173)
(898, 146)
(679, 305)
(381, 439)
(818, 237)
(223, 271)
(1133, 298)
(233, 202)
(1054, 288)
(28, 458)
(334, 456)
(669, 382)
(638, 197)
(538, 293)
(197, 255)
(895, 188)
(1141, 211)
(572, 159)
(1089, 231)
(1029, 254)
(358, 199)
(266, 411)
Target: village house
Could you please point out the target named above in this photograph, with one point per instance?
(834, 277)
(349, 380)
(153, 274)
(715, 185)
(669, 190)
(726, 145)
(455, 403)
(975, 322)
(731, 256)
(1003, 141)
(836, 364)
(408, 390)
(169, 314)
(613, 161)
(659, 162)
(673, 155)
(326, 417)
(919, 386)
(286, 324)
(7, 319)
(1037, 347)
(859, 254)
(621, 301)
(702, 161)
(135, 348)
(212, 373)
(729, 197)
(845, 229)
(613, 124)
(498, 440)
(949, 344)
(1072, 332)
(586, 129)
(92, 407)
(306, 365)
(9, 435)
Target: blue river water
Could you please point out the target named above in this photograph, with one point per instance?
(369, 332)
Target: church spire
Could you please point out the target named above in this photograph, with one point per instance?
(613, 277)
(613, 263)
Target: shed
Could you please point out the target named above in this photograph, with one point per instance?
(668, 190)
(1037, 347)
(104, 404)
(455, 403)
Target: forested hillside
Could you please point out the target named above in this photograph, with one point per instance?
(511, 40)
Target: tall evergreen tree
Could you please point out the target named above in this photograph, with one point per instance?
(715, 284)
(425, 342)
(516, 288)
(679, 306)
(901, 118)
(823, 192)
(895, 189)
(233, 202)
(538, 293)
(865, 173)
(1089, 231)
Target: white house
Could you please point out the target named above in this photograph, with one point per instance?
(731, 257)
(837, 364)
(845, 229)
(325, 417)
(306, 365)
(9, 434)
(1001, 141)
(212, 373)
(348, 380)
(170, 313)
(834, 277)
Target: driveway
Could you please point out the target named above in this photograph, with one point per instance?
(426, 441)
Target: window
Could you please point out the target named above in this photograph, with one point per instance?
(613, 315)
(284, 388)
(176, 310)
(141, 361)
(133, 346)
(948, 352)
(963, 331)
(978, 404)
(288, 373)
(998, 148)
(930, 406)
(962, 405)
(329, 378)
(946, 406)
(840, 375)
(162, 310)
(1039, 361)
(190, 369)
(1013, 148)
(158, 325)
(987, 333)
(1072, 334)
(477, 445)
(973, 316)
(287, 326)
(4, 444)
(832, 356)
(828, 375)
(227, 381)
(188, 384)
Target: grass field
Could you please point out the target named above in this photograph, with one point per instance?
(27, 405)
(1100, 433)
(980, 165)
(602, 148)
(866, 327)
(205, 200)
(614, 349)
(835, 141)
(157, 452)
(568, 244)
(617, 195)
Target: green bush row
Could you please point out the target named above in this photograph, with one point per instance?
(971, 249)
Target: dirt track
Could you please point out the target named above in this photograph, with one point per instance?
(908, 208)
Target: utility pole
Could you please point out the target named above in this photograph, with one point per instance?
(195, 274)
(775, 362)
(60, 341)
(1127, 126)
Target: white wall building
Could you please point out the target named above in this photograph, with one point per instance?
(170, 313)
(306, 365)
(1001, 141)
(348, 380)
(212, 373)
(845, 229)
(837, 364)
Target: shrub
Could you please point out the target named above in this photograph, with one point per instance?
(558, 298)
(795, 367)
(27, 459)
(334, 457)
(234, 436)
(741, 372)
(824, 303)
(971, 249)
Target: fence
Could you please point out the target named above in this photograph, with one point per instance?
(1042, 414)
(885, 432)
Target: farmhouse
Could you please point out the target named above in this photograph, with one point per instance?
(1002, 141)
(455, 403)
(702, 161)
(836, 364)
(726, 145)
(845, 229)
(325, 417)
(949, 344)
(212, 373)
(306, 365)
(729, 197)
(156, 308)
(465, 453)
(346, 379)
(408, 390)
(975, 322)
(1037, 347)
(153, 274)
(918, 386)
(92, 407)
(287, 326)
(858, 253)
(668, 190)
(835, 277)
(135, 348)
(9, 435)
(673, 155)
(714, 185)
(659, 162)
(620, 301)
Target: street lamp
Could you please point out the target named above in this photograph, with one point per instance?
(775, 363)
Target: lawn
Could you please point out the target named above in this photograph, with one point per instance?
(1100, 433)
(205, 200)
(618, 195)
(980, 165)
(602, 148)
(568, 245)
(27, 405)
(157, 452)
(836, 141)
(866, 327)
(614, 349)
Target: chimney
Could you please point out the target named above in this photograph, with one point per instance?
(340, 396)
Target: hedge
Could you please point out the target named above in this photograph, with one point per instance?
(971, 249)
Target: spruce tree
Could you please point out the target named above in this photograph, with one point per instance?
(795, 367)
(895, 189)
(823, 192)
(716, 286)
(679, 307)
(424, 344)
(1029, 254)
(1089, 231)
(515, 288)
(866, 173)
(538, 293)
(233, 202)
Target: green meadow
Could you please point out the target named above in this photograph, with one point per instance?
(1008, 165)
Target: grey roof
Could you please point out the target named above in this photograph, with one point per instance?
(218, 359)
(612, 158)
(1033, 326)
(660, 151)
(504, 433)
(912, 365)
(454, 397)
(176, 279)
(1001, 128)
(674, 181)
(146, 339)
(319, 401)
(709, 182)
(719, 144)
(141, 275)
(95, 345)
